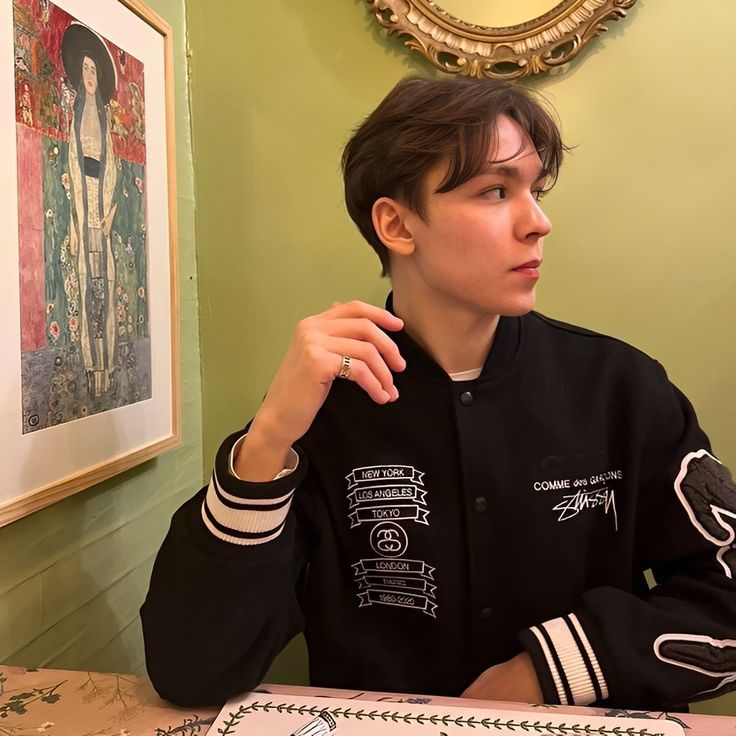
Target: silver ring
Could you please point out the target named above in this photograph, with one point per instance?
(344, 367)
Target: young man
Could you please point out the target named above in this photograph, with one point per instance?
(472, 509)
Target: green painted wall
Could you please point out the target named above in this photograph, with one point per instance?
(642, 245)
(74, 574)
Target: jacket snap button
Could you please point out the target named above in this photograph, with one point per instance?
(466, 398)
(481, 504)
(486, 613)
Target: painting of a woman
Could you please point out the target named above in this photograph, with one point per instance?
(82, 220)
(93, 178)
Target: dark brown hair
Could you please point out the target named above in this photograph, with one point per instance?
(422, 122)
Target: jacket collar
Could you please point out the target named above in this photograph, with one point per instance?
(418, 362)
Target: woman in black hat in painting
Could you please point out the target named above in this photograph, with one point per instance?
(93, 176)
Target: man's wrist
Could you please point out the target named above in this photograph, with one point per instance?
(261, 457)
(244, 512)
(514, 680)
(522, 670)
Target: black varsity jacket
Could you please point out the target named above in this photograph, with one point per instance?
(420, 542)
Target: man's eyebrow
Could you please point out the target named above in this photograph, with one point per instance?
(510, 172)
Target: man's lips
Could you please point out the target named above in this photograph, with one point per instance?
(530, 269)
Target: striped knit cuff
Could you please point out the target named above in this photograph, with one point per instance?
(562, 648)
(239, 519)
(291, 461)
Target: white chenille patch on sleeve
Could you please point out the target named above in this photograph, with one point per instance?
(714, 658)
(707, 492)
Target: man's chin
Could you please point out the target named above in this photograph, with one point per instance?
(516, 312)
(518, 309)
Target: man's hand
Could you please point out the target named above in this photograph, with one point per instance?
(514, 680)
(304, 378)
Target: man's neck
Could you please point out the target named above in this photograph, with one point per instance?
(456, 339)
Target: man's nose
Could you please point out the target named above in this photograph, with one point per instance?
(534, 223)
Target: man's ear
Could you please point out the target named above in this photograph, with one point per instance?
(392, 222)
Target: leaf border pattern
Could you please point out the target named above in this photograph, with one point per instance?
(423, 719)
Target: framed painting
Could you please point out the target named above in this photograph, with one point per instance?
(89, 379)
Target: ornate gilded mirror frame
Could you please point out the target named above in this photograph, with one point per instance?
(460, 47)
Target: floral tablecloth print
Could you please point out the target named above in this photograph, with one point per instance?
(73, 703)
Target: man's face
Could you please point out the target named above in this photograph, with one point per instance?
(478, 246)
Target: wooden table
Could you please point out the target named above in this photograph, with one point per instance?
(71, 703)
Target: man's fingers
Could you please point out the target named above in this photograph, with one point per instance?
(354, 329)
(365, 330)
(368, 355)
(361, 374)
(381, 317)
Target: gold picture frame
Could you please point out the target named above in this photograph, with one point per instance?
(461, 47)
(95, 270)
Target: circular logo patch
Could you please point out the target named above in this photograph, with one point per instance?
(389, 539)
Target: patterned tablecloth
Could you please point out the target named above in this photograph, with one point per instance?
(70, 703)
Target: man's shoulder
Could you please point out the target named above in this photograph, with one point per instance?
(542, 329)
(543, 321)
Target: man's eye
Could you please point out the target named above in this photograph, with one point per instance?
(495, 193)
(539, 193)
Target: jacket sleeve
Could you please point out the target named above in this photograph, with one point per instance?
(222, 601)
(677, 642)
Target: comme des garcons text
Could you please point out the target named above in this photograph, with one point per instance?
(566, 483)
